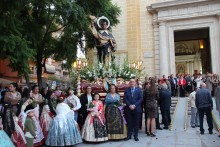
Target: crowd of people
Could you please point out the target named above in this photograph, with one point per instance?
(199, 88)
(31, 117)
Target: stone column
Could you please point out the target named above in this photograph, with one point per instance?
(187, 67)
(163, 50)
(218, 52)
(156, 47)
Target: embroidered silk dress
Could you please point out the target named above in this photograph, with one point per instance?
(94, 129)
(115, 122)
(37, 98)
(46, 120)
(64, 129)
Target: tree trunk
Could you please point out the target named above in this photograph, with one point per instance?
(39, 73)
(27, 80)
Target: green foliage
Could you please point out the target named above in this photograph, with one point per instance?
(38, 29)
(54, 78)
(73, 77)
(13, 45)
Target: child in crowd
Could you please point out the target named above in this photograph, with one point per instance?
(30, 126)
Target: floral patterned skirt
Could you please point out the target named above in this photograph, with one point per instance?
(95, 131)
(116, 127)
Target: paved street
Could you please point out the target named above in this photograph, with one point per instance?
(165, 138)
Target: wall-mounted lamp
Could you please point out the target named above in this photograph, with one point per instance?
(201, 44)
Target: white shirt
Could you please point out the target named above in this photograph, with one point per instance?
(89, 97)
(74, 100)
(192, 99)
(198, 81)
(174, 81)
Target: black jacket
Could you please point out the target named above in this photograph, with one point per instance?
(165, 99)
(203, 98)
(82, 113)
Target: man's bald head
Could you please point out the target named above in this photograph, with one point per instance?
(203, 85)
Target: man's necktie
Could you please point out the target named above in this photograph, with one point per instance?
(132, 92)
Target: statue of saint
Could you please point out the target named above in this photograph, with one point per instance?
(197, 61)
(105, 42)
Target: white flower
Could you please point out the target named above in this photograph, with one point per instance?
(132, 75)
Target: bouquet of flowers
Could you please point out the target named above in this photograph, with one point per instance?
(91, 105)
(118, 103)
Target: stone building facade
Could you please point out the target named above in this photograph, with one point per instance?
(147, 27)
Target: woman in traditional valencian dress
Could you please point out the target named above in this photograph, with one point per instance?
(64, 129)
(115, 121)
(94, 129)
(18, 137)
(13, 97)
(37, 99)
(11, 127)
(46, 119)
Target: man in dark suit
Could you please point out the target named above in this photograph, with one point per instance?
(165, 103)
(133, 98)
(204, 105)
(173, 83)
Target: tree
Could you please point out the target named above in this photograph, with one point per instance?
(54, 27)
(13, 45)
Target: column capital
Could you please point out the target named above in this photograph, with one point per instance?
(155, 23)
(162, 23)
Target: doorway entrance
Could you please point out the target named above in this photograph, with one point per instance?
(192, 51)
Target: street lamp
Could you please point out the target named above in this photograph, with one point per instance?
(78, 65)
(138, 66)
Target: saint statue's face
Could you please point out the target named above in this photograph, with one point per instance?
(104, 25)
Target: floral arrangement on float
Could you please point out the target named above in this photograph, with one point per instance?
(113, 70)
(101, 76)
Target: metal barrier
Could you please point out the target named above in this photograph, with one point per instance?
(171, 124)
(216, 122)
(186, 115)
